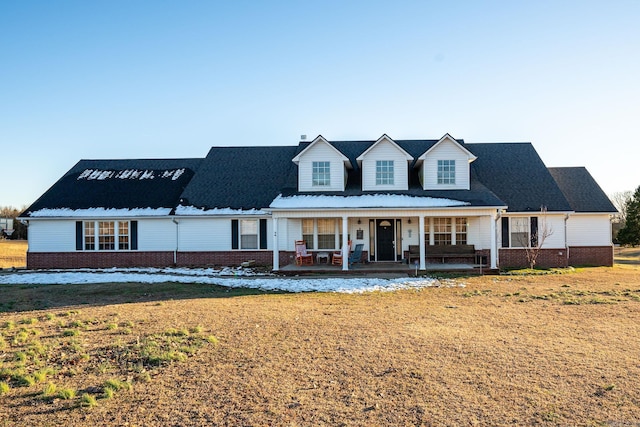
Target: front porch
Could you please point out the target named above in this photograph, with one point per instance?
(394, 268)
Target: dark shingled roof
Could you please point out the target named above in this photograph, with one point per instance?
(581, 190)
(75, 191)
(517, 175)
(504, 174)
(241, 177)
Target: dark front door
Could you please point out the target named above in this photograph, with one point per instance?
(384, 240)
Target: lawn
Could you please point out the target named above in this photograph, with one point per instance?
(502, 350)
(13, 253)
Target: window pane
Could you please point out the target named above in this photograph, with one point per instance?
(89, 236)
(326, 234)
(442, 231)
(384, 172)
(461, 231)
(446, 171)
(321, 175)
(307, 232)
(106, 236)
(249, 234)
(123, 235)
(520, 232)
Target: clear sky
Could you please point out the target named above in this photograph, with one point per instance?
(166, 79)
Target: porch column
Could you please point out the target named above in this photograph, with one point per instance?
(423, 263)
(345, 242)
(276, 251)
(494, 241)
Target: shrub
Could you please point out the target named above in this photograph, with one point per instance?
(4, 388)
(66, 393)
(88, 401)
(49, 390)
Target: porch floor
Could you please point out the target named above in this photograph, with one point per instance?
(383, 267)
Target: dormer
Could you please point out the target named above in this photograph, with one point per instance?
(321, 167)
(384, 166)
(445, 166)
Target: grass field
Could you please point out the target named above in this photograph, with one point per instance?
(13, 253)
(556, 349)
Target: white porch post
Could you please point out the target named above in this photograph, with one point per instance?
(345, 242)
(423, 263)
(276, 250)
(494, 241)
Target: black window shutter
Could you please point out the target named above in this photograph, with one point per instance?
(534, 231)
(505, 232)
(134, 235)
(78, 235)
(234, 234)
(263, 234)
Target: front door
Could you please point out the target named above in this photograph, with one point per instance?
(385, 240)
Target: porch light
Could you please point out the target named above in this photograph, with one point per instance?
(409, 221)
(359, 222)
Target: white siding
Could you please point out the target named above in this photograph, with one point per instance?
(205, 234)
(321, 152)
(156, 235)
(589, 230)
(52, 236)
(447, 150)
(385, 150)
(554, 224)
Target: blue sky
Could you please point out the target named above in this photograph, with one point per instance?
(166, 79)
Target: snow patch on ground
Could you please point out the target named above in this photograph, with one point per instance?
(227, 277)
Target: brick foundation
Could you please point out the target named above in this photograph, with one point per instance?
(591, 255)
(47, 260)
(547, 258)
(37, 260)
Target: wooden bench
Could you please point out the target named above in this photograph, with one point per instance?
(443, 252)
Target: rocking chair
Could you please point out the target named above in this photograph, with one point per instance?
(338, 256)
(302, 256)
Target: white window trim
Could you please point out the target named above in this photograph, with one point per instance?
(445, 177)
(389, 173)
(96, 236)
(316, 167)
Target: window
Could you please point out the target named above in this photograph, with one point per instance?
(384, 172)
(326, 234)
(105, 235)
(441, 231)
(325, 231)
(307, 232)
(461, 231)
(520, 232)
(321, 175)
(123, 235)
(249, 234)
(89, 236)
(446, 171)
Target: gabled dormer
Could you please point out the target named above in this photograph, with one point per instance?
(321, 167)
(384, 166)
(445, 166)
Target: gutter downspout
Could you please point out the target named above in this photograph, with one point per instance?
(175, 252)
(566, 243)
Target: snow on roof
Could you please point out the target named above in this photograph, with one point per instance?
(363, 201)
(192, 210)
(99, 212)
(99, 174)
(210, 276)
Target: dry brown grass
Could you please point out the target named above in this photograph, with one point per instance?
(504, 350)
(13, 253)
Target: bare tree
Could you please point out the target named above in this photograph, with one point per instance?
(531, 234)
(621, 200)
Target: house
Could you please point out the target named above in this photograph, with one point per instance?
(436, 200)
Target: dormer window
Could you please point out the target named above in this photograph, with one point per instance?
(384, 172)
(446, 171)
(321, 174)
